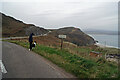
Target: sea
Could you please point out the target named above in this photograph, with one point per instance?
(107, 40)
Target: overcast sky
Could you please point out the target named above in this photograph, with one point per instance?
(85, 14)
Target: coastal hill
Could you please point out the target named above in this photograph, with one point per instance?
(74, 35)
(13, 27)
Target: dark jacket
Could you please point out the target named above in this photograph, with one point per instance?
(30, 37)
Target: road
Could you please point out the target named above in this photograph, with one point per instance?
(22, 37)
(22, 63)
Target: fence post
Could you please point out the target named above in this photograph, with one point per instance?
(61, 43)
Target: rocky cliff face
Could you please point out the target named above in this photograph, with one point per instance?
(74, 35)
(13, 27)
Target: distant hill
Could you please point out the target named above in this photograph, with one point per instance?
(74, 35)
(13, 27)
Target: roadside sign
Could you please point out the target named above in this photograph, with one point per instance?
(62, 36)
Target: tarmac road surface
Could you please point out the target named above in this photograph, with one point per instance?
(22, 63)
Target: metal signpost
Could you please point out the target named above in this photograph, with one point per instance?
(62, 37)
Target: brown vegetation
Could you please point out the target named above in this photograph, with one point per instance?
(74, 35)
(13, 27)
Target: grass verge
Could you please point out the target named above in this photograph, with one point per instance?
(73, 63)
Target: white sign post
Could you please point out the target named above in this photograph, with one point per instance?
(62, 37)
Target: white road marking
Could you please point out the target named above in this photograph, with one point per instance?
(2, 68)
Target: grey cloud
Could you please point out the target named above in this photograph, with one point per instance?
(102, 16)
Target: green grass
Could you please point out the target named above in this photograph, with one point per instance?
(73, 63)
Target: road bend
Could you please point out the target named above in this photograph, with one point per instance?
(19, 62)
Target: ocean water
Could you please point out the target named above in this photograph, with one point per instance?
(106, 40)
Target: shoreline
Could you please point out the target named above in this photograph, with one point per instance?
(105, 46)
(103, 42)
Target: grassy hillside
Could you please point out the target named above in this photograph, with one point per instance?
(74, 35)
(72, 58)
(13, 27)
(75, 63)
